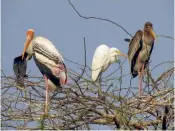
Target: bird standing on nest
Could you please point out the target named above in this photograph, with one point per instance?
(103, 57)
(140, 49)
(49, 61)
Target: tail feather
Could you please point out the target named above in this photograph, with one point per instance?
(26, 76)
(134, 74)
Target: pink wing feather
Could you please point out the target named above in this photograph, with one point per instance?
(61, 73)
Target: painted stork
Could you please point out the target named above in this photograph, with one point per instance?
(49, 61)
(140, 49)
(19, 68)
(103, 57)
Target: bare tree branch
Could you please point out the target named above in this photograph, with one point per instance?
(99, 19)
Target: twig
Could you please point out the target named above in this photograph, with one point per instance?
(84, 62)
(99, 19)
(165, 36)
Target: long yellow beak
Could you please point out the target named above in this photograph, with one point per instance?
(122, 54)
(28, 40)
(30, 34)
(152, 33)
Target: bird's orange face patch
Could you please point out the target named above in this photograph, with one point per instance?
(30, 34)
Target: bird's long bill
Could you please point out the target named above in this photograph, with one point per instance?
(122, 54)
(153, 34)
(28, 40)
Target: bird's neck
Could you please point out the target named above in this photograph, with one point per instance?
(148, 38)
(112, 59)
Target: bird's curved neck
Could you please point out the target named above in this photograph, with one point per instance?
(112, 59)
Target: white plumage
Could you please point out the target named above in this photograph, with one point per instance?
(46, 53)
(103, 57)
(48, 59)
(49, 48)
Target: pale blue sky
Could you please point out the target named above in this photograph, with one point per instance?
(57, 21)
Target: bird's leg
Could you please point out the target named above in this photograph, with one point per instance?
(100, 94)
(140, 75)
(99, 85)
(47, 95)
(140, 83)
(143, 70)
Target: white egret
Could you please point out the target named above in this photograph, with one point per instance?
(103, 57)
